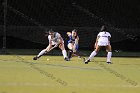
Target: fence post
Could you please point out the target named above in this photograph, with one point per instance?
(4, 26)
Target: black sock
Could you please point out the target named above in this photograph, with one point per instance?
(70, 53)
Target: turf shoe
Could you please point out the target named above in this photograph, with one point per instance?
(86, 62)
(66, 59)
(35, 58)
(108, 62)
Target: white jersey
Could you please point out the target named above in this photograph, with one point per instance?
(103, 38)
(54, 39)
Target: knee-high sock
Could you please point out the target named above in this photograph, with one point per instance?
(64, 53)
(109, 54)
(70, 53)
(92, 55)
(41, 53)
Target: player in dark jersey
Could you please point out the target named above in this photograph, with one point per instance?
(72, 43)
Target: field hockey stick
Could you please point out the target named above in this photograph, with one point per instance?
(52, 48)
(82, 58)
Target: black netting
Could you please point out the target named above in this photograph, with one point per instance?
(28, 19)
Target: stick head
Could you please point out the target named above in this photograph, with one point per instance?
(84, 59)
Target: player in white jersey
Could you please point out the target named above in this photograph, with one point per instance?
(103, 39)
(55, 40)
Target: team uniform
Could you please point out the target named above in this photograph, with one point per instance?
(55, 40)
(72, 40)
(72, 43)
(103, 40)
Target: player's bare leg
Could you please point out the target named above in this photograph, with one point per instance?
(93, 54)
(70, 46)
(44, 51)
(75, 53)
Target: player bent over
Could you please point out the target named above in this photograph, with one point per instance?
(55, 40)
(103, 39)
(72, 43)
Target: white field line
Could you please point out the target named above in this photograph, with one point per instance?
(15, 84)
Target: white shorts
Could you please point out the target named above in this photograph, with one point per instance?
(54, 43)
(100, 43)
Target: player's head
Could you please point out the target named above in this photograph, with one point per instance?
(103, 28)
(51, 32)
(74, 32)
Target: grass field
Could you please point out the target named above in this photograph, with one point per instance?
(21, 74)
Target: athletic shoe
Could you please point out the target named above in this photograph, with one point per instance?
(108, 62)
(86, 62)
(35, 58)
(66, 59)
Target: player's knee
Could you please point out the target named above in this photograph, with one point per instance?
(47, 49)
(62, 48)
(109, 51)
(70, 48)
(97, 50)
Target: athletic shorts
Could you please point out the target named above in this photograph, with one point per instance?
(54, 43)
(100, 43)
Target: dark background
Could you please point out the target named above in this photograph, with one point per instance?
(28, 19)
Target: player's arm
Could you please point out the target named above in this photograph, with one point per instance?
(60, 39)
(76, 43)
(109, 39)
(109, 36)
(76, 40)
(96, 42)
(68, 33)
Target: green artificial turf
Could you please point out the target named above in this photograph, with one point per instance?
(51, 74)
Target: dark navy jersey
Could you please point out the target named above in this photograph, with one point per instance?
(72, 39)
